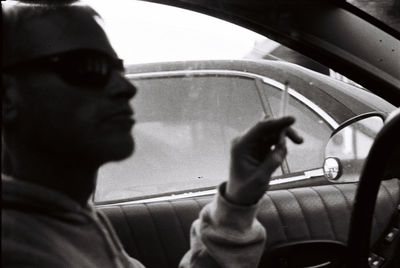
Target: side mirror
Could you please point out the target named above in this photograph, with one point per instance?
(349, 146)
(332, 168)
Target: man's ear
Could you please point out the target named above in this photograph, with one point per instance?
(9, 99)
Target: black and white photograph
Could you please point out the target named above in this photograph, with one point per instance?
(200, 134)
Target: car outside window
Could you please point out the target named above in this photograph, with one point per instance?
(202, 84)
(310, 125)
(183, 135)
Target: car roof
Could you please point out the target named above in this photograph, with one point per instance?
(344, 101)
(320, 30)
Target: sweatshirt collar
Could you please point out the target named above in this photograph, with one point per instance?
(19, 193)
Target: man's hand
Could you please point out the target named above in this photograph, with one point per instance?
(255, 156)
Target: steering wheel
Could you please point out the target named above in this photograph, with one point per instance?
(379, 165)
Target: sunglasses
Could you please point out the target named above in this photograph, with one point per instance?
(80, 68)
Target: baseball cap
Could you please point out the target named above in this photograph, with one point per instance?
(32, 31)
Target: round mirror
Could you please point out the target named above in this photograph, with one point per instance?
(348, 148)
(332, 168)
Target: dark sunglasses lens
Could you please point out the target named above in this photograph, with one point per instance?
(85, 78)
(89, 70)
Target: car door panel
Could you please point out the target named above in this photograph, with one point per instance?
(158, 233)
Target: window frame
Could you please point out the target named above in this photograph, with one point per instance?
(260, 82)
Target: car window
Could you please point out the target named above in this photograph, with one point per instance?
(185, 125)
(203, 83)
(312, 126)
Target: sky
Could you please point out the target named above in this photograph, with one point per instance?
(147, 32)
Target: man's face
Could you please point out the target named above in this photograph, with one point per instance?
(74, 99)
(72, 116)
(77, 119)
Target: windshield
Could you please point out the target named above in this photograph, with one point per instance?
(387, 11)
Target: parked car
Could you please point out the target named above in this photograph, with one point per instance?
(188, 111)
(196, 108)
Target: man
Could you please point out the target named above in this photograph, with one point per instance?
(65, 112)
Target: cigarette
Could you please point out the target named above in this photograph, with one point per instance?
(284, 100)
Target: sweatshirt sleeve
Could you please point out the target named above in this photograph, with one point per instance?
(225, 235)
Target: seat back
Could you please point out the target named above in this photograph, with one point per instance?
(157, 234)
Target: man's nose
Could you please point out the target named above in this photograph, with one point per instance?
(120, 87)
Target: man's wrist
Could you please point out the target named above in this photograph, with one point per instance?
(226, 193)
(226, 213)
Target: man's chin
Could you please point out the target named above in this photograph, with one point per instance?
(123, 151)
(116, 151)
